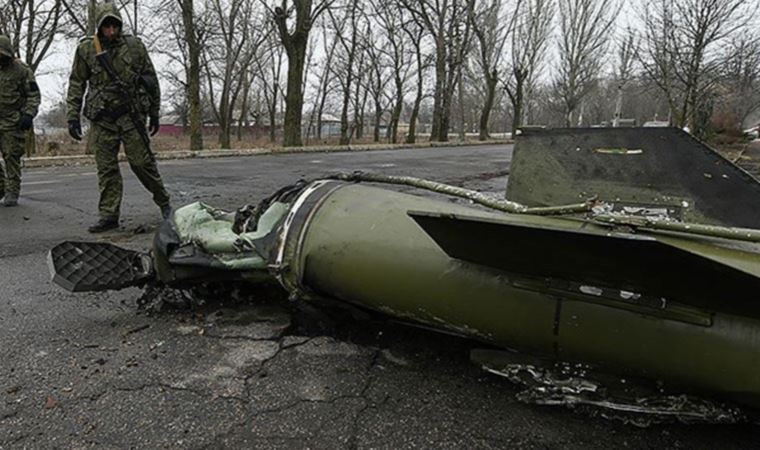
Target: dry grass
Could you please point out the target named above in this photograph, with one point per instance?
(60, 144)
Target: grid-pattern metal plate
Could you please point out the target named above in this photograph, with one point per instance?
(95, 266)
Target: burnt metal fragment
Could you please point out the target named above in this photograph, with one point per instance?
(97, 266)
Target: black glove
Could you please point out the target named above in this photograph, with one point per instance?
(75, 130)
(25, 122)
(154, 126)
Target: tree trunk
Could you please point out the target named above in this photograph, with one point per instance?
(321, 107)
(273, 113)
(30, 142)
(345, 138)
(444, 119)
(91, 6)
(462, 122)
(224, 135)
(411, 136)
(224, 116)
(193, 76)
(395, 117)
(358, 127)
(517, 104)
(294, 96)
(485, 115)
(243, 118)
(438, 96)
(618, 106)
(378, 115)
(224, 124)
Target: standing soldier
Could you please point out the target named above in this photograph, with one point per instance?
(19, 100)
(121, 88)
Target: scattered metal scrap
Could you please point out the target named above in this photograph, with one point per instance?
(579, 386)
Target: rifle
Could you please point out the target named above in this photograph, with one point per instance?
(104, 59)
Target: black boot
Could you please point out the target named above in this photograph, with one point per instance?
(10, 199)
(104, 224)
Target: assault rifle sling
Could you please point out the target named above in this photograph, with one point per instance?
(104, 59)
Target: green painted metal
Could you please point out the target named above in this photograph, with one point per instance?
(358, 244)
(564, 287)
(633, 167)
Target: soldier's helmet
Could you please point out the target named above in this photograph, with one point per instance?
(6, 49)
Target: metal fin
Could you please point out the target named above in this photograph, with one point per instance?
(634, 263)
(95, 266)
(633, 167)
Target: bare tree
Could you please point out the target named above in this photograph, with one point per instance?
(391, 18)
(32, 25)
(680, 52)
(415, 33)
(345, 24)
(361, 94)
(80, 18)
(379, 76)
(193, 37)
(740, 78)
(532, 19)
(323, 87)
(187, 28)
(227, 56)
(446, 22)
(295, 38)
(624, 71)
(487, 20)
(268, 63)
(585, 27)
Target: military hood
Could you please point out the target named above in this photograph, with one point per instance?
(106, 10)
(5, 46)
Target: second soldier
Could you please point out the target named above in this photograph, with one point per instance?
(19, 100)
(114, 75)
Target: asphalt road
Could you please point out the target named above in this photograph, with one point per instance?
(89, 370)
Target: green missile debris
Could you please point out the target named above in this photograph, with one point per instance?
(624, 283)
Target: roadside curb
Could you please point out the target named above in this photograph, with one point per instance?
(50, 161)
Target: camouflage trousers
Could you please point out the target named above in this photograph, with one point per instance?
(105, 143)
(12, 147)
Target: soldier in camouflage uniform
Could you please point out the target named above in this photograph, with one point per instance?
(109, 115)
(19, 100)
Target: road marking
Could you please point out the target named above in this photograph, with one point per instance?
(227, 161)
(80, 174)
(41, 191)
(28, 183)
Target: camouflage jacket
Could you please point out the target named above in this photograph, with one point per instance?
(103, 102)
(19, 94)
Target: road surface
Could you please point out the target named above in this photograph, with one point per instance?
(90, 371)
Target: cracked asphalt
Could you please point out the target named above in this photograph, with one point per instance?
(91, 371)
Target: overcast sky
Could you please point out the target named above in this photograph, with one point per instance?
(52, 75)
(53, 72)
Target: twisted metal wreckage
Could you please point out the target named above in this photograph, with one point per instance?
(656, 277)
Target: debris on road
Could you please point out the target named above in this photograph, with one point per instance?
(547, 272)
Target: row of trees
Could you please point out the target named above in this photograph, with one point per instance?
(463, 65)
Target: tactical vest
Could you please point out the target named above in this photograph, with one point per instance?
(12, 92)
(104, 99)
